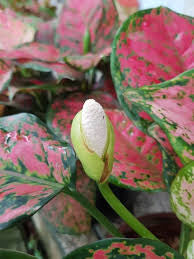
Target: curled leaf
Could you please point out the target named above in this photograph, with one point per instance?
(182, 198)
(152, 46)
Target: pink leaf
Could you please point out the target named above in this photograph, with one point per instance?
(65, 213)
(34, 50)
(34, 167)
(152, 46)
(13, 31)
(97, 17)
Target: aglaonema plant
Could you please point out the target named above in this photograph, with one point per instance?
(150, 150)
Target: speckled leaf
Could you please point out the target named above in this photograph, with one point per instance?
(125, 8)
(137, 157)
(138, 160)
(45, 32)
(11, 254)
(34, 167)
(171, 162)
(98, 18)
(44, 9)
(33, 50)
(13, 31)
(58, 69)
(124, 248)
(182, 198)
(170, 105)
(65, 214)
(152, 46)
(5, 74)
(87, 61)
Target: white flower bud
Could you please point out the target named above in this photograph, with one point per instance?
(94, 126)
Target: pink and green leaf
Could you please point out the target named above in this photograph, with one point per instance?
(65, 213)
(5, 74)
(138, 248)
(32, 51)
(96, 18)
(34, 167)
(170, 105)
(59, 70)
(171, 162)
(152, 46)
(74, 20)
(138, 159)
(85, 62)
(13, 31)
(182, 198)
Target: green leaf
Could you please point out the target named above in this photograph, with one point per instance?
(182, 198)
(190, 250)
(10, 254)
(124, 248)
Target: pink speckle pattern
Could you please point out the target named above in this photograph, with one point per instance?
(66, 213)
(123, 249)
(151, 55)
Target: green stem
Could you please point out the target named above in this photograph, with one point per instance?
(93, 211)
(86, 42)
(120, 209)
(184, 238)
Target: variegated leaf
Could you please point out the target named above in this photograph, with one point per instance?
(88, 28)
(44, 9)
(170, 105)
(124, 248)
(138, 160)
(182, 198)
(32, 51)
(171, 162)
(59, 70)
(34, 167)
(65, 214)
(13, 31)
(152, 46)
